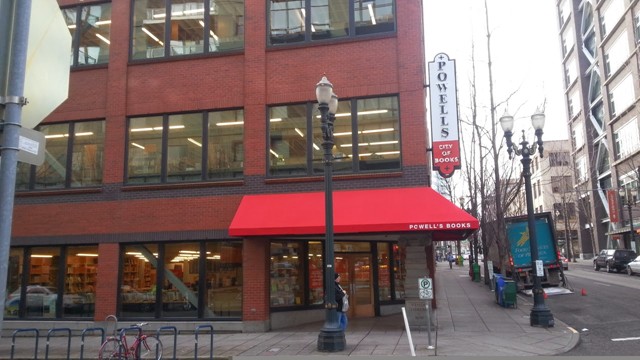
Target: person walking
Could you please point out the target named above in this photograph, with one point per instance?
(450, 259)
(341, 300)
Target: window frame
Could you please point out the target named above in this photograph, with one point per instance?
(76, 37)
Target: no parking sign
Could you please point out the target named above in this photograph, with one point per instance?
(425, 288)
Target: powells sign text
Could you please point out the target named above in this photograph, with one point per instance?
(444, 115)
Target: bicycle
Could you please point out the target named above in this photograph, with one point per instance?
(144, 346)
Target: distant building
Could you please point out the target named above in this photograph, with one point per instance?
(601, 61)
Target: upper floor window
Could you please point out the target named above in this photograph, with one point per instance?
(308, 20)
(182, 27)
(626, 139)
(622, 96)
(571, 71)
(559, 159)
(636, 27)
(74, 157)
(564, 10)
(611, 15)
(366, 137)
(574, 103)
(178, 147)
(617, 54)
(577, 136)
(581, 169)
(90, 28)
(568, 40)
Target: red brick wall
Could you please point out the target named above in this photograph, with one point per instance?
(255, 273)
(107, 282)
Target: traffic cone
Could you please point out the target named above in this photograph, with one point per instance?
(583, 292)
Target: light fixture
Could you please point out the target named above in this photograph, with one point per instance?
(137, 145)
(194, 142)
(230, 123)
(41, 256)
(104, 39)
(152, 36)
(299, 132)
(86, 254)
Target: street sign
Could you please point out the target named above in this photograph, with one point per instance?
(539, 269)
(31, 145)
(425, 288)
(46, 83)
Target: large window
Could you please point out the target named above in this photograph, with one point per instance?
(617, 54)
(190, 147)
(293, 21)
(80, 281)
(82, 167)
(622, 96)
(287, 280)
(626, 139)
(90, 28)
(182, 27)
(366, 138)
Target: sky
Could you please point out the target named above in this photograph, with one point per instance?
(525, 53)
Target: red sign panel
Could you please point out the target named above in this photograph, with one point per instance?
(612, 198)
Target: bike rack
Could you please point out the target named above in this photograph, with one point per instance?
(115, 323)
(102, 338)
(54, 330)
(13, 341)
(174, 330)
(211, 341)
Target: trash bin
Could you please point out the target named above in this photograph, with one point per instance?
(509, 293)
(476, 272)
(499, 289)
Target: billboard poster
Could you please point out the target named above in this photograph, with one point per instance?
(612, 198)
(445, 142)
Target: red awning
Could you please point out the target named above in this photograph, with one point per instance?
(356, 211)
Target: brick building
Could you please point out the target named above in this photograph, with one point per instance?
(183, 179)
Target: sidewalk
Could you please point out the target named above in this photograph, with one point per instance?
(469, 323)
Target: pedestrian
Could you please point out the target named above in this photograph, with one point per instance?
(341, 300)
(450, 259)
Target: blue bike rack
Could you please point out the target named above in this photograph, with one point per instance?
(53, 331)
(13, 341)
(211, 340)
(84, 332)
(174, 330)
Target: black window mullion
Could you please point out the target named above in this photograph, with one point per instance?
(68, 165)
(167, 29)
(75, 42)
(307, 21)
(165, 148)
(354, 134)
(309, 138)
(159, 280)
(62, 267)
(205, 146)
(207, 25)
(202, 278)
(352, 19)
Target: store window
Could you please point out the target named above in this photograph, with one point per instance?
(82, 167)
(223, 296)
(316, 274)
(14, 280)
(42, 284)
(163, 28)
(366, 138)
(186, 151)
(90, 28)
(79, 296)
(399, 270)
(287, 280)
(139, 281)
(384, 272)
(181, 280)
(295, 21)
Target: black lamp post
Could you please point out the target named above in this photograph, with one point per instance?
(628, 195)
(540, 313)
(331, 337)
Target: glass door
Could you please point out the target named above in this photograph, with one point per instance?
(357, 279)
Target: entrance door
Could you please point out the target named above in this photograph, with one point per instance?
(357, 280)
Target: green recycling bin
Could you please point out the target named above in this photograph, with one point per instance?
(476, 272)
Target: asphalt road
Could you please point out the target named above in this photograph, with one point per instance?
(607, 317)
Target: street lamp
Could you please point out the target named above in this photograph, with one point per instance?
(629, 195)
(540, 313)
(331, 337)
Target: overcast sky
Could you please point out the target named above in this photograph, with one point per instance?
(525, 53)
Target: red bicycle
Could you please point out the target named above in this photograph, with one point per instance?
(144, 346)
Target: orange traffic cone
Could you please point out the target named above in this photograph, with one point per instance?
(583, 292)
(544, 294)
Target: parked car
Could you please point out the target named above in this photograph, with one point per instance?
(634, 266)
(613, 259)
(564, 261)
(39, 296)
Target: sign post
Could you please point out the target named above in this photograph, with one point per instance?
(425, 292)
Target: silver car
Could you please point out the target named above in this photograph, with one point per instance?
(634, 266)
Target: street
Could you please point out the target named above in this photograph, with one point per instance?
(607, 317)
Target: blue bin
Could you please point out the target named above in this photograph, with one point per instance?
(500, 284)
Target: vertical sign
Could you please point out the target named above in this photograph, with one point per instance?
(612, 199)
(444, 115)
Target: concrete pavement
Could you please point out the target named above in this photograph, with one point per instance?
(468, 323)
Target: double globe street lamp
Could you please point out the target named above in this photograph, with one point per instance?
(540, 313)
(331, 337)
